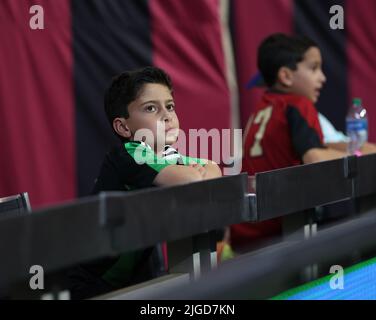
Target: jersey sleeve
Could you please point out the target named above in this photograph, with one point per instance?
(304, 125)
(134, 165)
(140, 165)
(189, 160)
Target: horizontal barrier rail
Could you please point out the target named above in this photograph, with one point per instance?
(304, 187)
(262, 275)
(115, 222)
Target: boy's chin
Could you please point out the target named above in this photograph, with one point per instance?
(171, 141)
(314, 99)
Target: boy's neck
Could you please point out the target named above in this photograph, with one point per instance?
(279, 88)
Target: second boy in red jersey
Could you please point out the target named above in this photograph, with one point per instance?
(283, 129)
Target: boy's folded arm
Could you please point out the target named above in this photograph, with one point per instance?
(340, 146)
(306, 140)
(322, 154)
(367, 147)
(176, 174)
(212, 170)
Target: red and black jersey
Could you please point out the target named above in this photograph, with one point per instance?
(281, 129)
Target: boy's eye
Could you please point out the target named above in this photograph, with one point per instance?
(150, 108)
(170, 107)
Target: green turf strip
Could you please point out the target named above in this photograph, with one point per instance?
(289, 293)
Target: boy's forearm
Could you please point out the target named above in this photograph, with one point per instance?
(212, 170)
(340, 146)
(322, 154)
(175, 175)
(367, 148)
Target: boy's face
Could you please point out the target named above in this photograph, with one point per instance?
(308, 79)
(153, 109)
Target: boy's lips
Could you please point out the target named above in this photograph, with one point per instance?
(317, 91)
(172, 131)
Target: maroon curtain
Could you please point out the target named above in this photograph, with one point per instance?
(36, 103)
(253, 20)
(187, 42)
(361, 49)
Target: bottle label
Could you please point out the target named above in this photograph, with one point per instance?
(356, 125)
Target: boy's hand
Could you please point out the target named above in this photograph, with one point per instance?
(368, 148)
(200, 169)
(212, 170)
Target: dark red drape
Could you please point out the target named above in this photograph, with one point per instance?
(253, 20)
(361, 52)
(36, 103)
(186, 37)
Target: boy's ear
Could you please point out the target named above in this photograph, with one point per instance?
(285, 76)
(121, 128)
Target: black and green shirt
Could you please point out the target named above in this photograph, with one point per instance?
(132, 165)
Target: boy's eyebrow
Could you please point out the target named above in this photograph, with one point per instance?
(155, 101)
(315, 62)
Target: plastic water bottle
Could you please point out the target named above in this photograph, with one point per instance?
(356, 126)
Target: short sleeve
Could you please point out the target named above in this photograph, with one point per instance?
(304, 126)
(311, 115)
(143, 164)
(189, 160)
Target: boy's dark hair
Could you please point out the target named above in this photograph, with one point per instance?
(280, 50)
(126, 87)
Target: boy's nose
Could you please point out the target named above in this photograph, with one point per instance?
(323, 77)
(167, 116)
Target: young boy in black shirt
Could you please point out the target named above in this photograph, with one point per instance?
(141, 110)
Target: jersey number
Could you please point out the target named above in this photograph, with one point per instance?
(262, 117)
